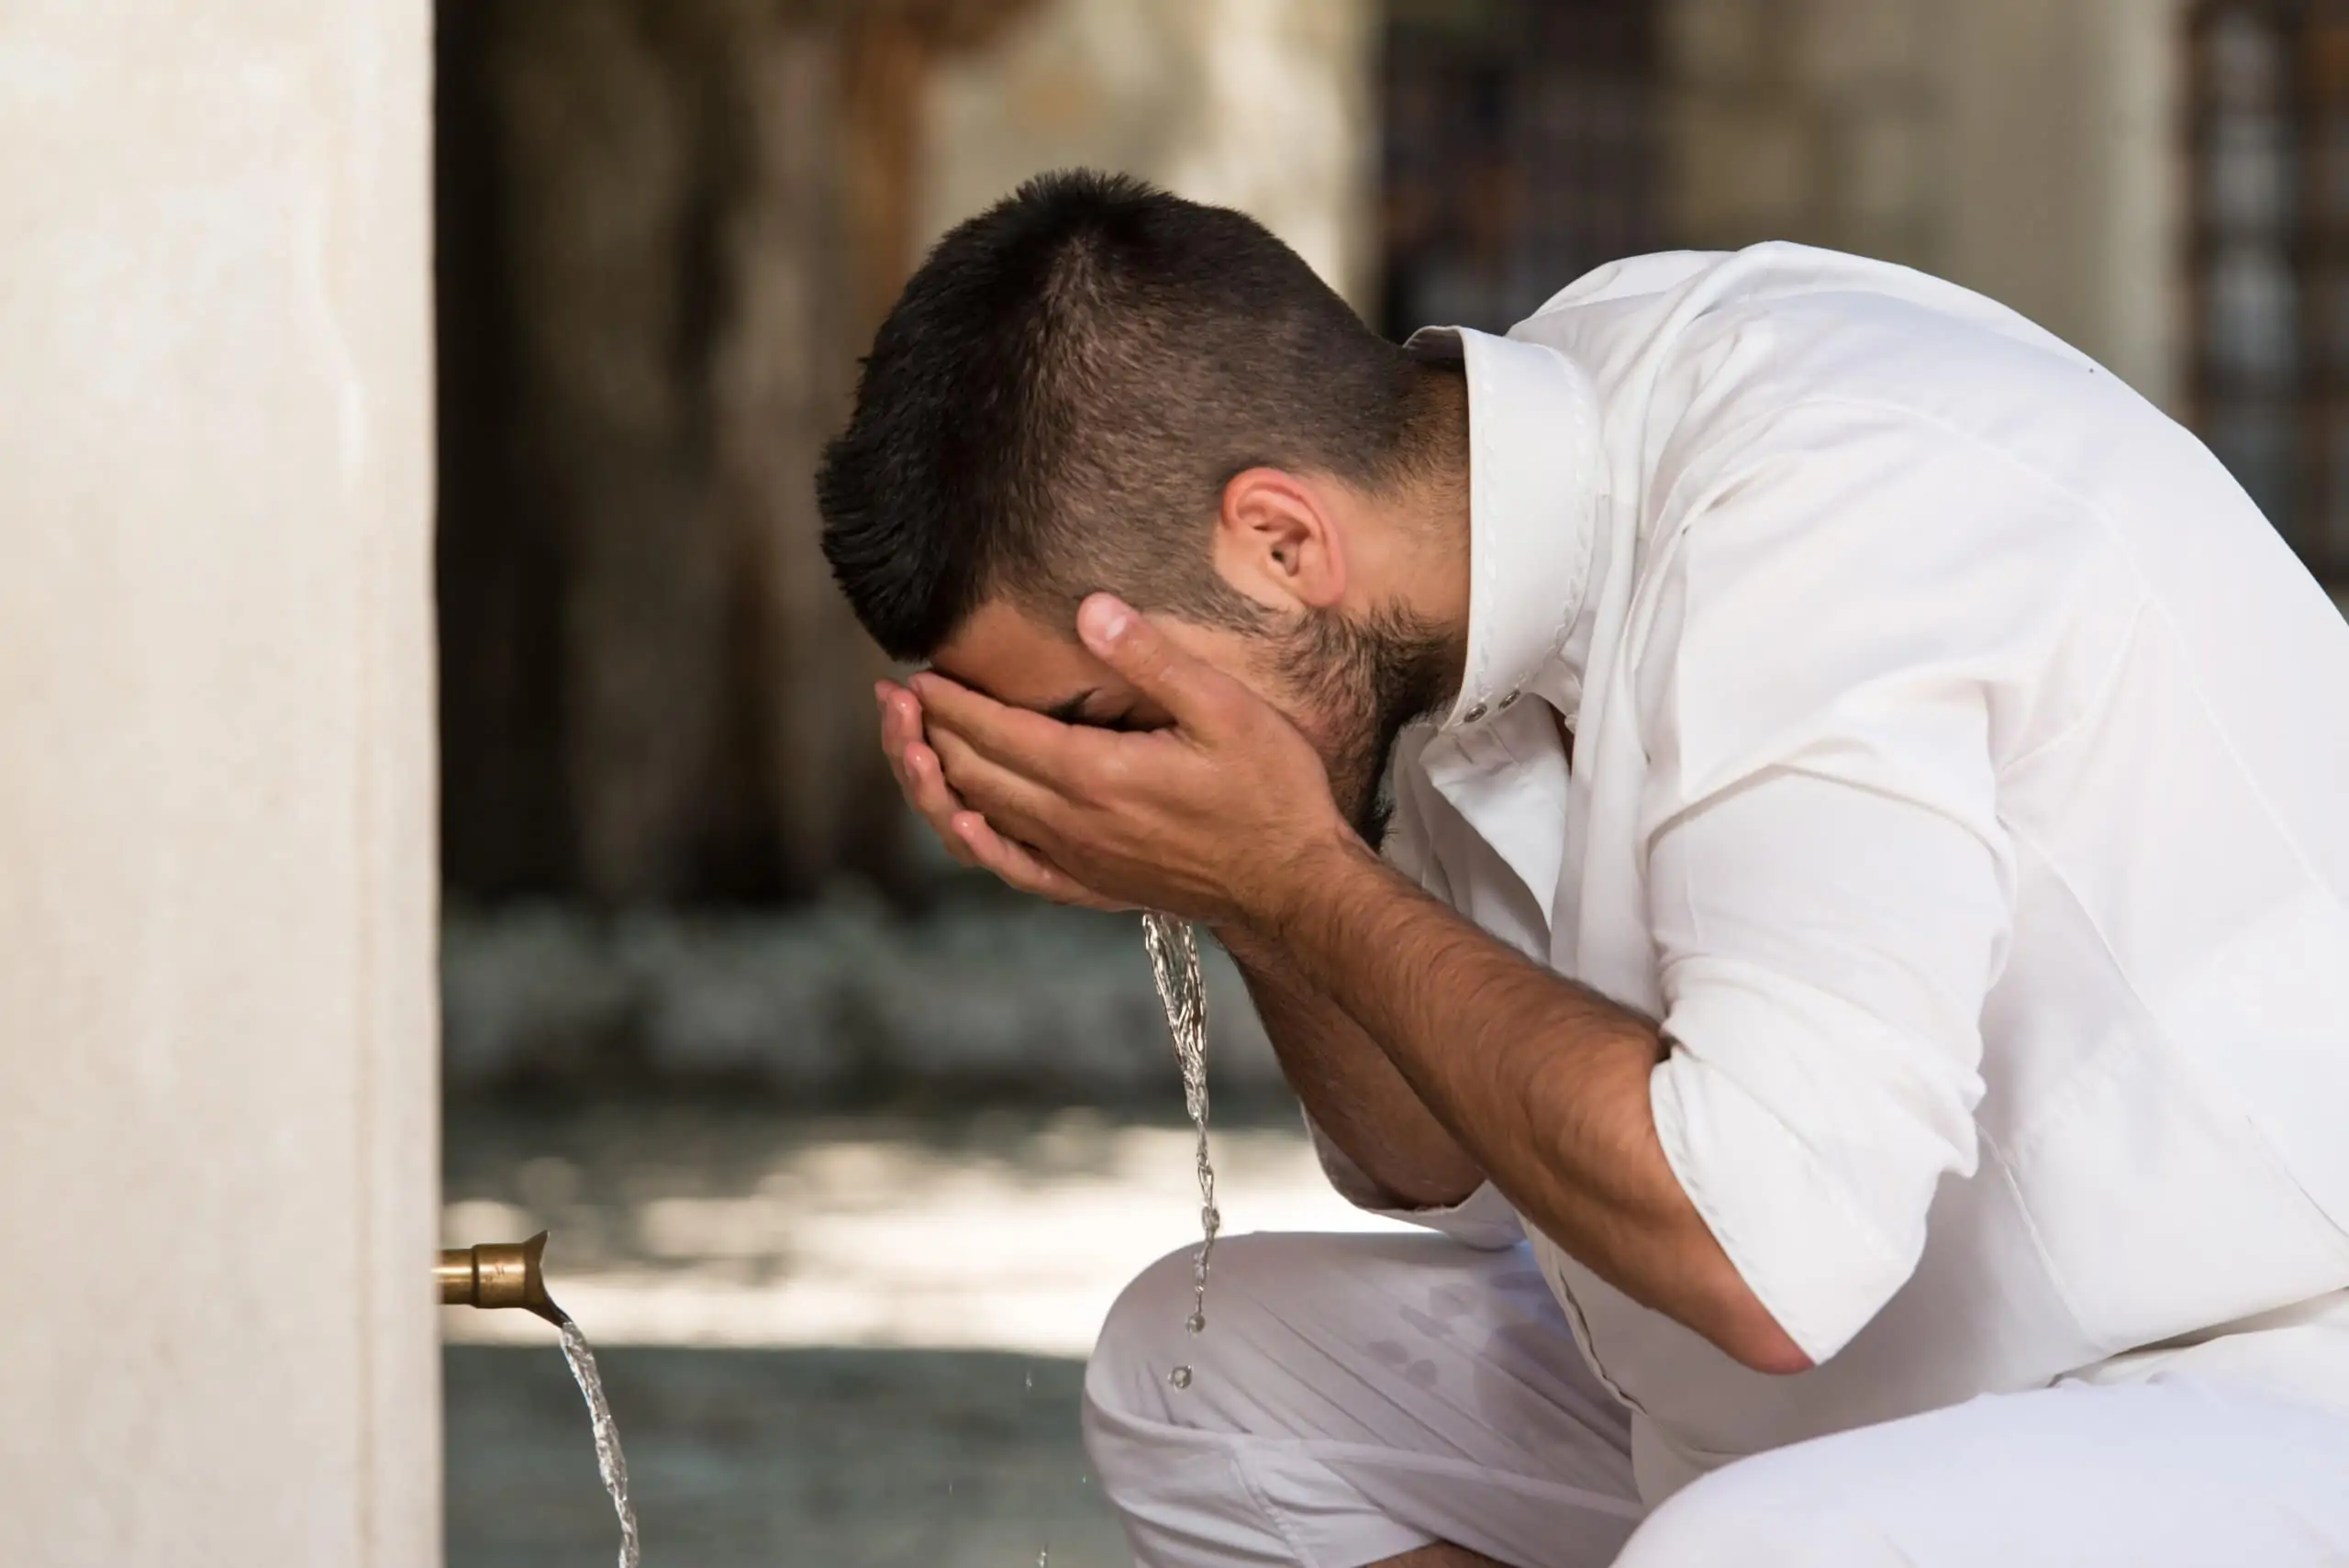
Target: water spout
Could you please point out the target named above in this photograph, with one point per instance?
(507, 1274)
(498, 1274)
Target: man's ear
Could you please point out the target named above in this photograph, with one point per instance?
(1277, 541)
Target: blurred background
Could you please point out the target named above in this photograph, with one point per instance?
(845, 1153)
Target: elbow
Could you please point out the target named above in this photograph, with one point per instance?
(1723, 1308)
(1753, 1340)
(1773, 1353)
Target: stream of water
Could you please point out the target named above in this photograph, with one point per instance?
(610, 1464)
(1174, 964)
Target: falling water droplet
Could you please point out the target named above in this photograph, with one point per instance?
(1180, 1377)
(1029, 1378)
(1196, 1322)
(1041, 1556)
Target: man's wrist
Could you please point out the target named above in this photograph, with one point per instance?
(1247, 947)
(1327, 869)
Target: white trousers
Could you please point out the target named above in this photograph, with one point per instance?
(1355, 1397)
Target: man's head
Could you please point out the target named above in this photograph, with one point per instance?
(1094, 386)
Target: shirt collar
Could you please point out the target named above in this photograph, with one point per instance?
(1533, 544)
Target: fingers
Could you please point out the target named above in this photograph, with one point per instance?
(1022, 867)
(896, 732)
(921, 776)
(967, 834)
(927, 788)
(1008, 798)
(1186, 687)
(1040, 748)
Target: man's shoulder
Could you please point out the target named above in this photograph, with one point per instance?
(1717, 362)
(1784, 310)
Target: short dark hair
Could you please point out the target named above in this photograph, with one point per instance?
(1059, 397)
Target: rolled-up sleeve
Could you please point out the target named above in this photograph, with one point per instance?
(1825, 952)
(1828, 884)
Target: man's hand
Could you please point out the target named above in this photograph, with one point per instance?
(965, 833)
(1531, 1079)
(1213, 818)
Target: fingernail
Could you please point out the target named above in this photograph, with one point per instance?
(1110, 617)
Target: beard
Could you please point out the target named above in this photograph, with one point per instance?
(1361, 683)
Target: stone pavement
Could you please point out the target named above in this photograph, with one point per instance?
(777, 1458)
(834, 1340)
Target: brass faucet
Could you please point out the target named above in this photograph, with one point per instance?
(499, 1274)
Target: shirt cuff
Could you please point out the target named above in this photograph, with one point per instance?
(1483, 1219)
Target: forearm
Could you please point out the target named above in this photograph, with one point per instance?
(1542, 1083)
(1355, 1094)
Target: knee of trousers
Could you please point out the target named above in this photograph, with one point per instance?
(1192, 1472)
(1160, 1453)
(1773, 1507)
(1276, 1304)
(1146, 1335)
(1146, 1322)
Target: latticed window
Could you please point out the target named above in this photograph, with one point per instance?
(1520, 151)
(2268, 84)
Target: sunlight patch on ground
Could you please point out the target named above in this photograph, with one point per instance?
(884, 1240)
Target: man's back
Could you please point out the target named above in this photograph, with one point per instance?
(1879, 540)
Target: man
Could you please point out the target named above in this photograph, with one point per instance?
(1860, 952)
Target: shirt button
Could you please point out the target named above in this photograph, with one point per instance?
(1473, 714)
(1508, 700)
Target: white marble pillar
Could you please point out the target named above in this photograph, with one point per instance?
(217, 869)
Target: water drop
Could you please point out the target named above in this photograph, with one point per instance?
(1196, 1322)
(1029, 1378)
(1180, 1377)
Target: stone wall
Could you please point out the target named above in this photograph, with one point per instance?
(1262, 105)
(2024, 148)
(1803, 119)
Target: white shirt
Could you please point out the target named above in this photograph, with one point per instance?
(1961, 775)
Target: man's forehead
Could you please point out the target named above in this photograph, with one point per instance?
(1016, 660)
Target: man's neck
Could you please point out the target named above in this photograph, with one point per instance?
(1437, 592)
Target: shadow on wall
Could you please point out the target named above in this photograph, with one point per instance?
(666, 229)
